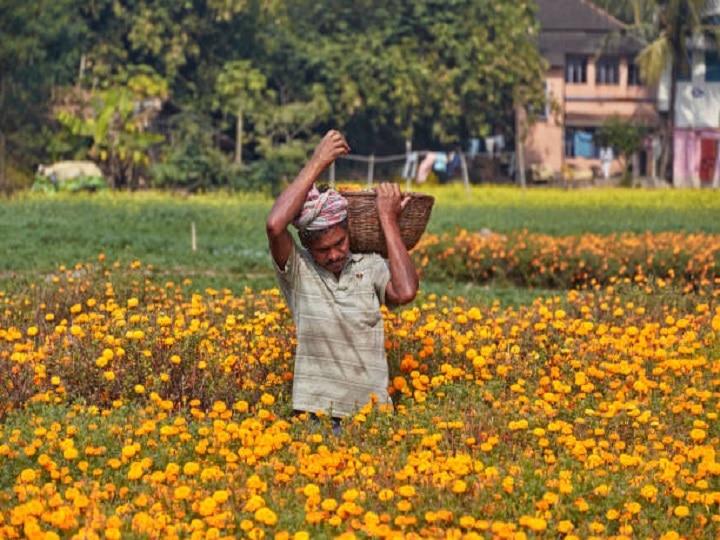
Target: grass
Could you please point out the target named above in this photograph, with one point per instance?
(42, 233)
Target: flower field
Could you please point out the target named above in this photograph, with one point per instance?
(133, 406)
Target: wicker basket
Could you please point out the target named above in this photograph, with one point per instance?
(366, 233)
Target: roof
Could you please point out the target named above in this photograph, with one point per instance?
(580, 27)
(568, 15)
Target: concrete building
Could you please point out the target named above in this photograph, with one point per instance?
(591, 77)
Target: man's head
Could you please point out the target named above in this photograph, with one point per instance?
(323, 230)
(329, 247)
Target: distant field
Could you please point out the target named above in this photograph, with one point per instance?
(40, 233)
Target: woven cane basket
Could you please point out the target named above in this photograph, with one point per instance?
(366, 233)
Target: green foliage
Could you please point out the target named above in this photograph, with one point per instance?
(117, 128)
(626, 137)
(270, 73)
(40, 48)
(42, 184)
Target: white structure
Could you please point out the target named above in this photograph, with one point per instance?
(696, 140)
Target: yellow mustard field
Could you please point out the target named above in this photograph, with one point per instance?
(133, 408)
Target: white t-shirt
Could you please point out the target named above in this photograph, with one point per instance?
(340, 355)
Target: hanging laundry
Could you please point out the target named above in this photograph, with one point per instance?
(583, 144)
(411, 164)
(606, 158)
(425, 167)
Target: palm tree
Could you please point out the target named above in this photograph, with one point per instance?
(667, 29)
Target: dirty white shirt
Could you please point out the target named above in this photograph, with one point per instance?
(340, 355)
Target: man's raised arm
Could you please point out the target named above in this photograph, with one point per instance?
(290, 202)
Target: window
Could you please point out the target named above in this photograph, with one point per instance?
(580, 142)
(634, 74)
(576, 70)
(712, 66)
(607, 71)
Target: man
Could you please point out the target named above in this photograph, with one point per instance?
(335, 295)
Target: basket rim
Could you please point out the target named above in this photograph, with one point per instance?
(373, 193)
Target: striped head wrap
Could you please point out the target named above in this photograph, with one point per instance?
(321, 210)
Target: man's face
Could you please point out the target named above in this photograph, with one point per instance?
(330, 250)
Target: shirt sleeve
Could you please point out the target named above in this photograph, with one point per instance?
(286, 276)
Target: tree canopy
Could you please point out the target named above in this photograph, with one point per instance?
(266, 77)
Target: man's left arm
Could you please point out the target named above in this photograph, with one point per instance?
(404, 281)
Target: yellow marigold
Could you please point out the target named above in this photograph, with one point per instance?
(253, 503)
(207, 506)
(221, 495)
(406, 491)
(404, 505)
(181, 493)
(681, 511)
(136, 471)
(266, 516)
(27, 476)
(565, 526)
(649, 492)
(267, 399)
(459, 486)
(535, 524)
(467, 522)
(191, 468)
(386, 494)
(351, 495)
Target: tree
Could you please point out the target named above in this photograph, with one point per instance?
(626, 137)
(623, 10)
(426, 70)
(39, 50)
(240, 90)
(118, 126)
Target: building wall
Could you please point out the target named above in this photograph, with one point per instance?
(585, 105)
(697, 126)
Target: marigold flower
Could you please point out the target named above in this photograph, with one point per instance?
(406, 491)
(181, 493)
(266, 516)
(28, 476)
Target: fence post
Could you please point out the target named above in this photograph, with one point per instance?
(371, 169)
(465, 175)
(408, 150)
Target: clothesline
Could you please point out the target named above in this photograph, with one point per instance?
(409, 158)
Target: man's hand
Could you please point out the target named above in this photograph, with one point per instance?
(332, 146)
(403, 284)
(390, 201)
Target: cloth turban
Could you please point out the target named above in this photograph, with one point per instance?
(321, 210)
